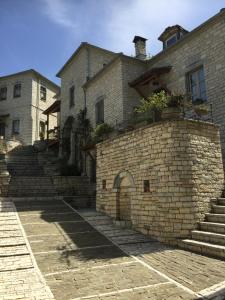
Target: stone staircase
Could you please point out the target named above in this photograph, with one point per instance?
(34, 174)
(27, 176)
(77, 190)
(209, 238)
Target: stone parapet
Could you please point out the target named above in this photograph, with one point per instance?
(166, 173)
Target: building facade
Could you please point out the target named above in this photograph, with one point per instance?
(110, 85)
(23, 98)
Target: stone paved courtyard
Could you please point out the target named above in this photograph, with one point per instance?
(82, 255)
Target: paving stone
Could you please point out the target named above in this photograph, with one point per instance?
(15, 262)
(42, 210)
(56, 228)
(50, 218)
(12, 241)
(13, 250)
(67, 260)
(19, 279)
(108, 279)
(32, 203)
(23, 284)
(165, 291)
(68, 241)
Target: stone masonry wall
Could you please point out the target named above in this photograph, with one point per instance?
(204, 48)
(183, 163)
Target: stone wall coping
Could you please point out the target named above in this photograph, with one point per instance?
(187, 121)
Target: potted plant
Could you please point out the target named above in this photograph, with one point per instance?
(165, 106)
(175, 106)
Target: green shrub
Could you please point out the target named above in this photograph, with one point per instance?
(102, 130)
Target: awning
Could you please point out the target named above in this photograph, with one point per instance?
(149, 75)
(55, 107)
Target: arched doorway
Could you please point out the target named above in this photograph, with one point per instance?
(124, 183)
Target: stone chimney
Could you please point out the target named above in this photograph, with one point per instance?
(140, 47)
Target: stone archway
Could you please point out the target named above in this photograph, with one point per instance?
(124, 184)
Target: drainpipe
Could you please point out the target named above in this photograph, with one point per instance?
(37, 110)
(88, 73)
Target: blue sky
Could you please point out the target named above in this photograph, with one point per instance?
(42, 34)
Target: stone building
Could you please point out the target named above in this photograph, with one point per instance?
(23, 98)
(110, 85)
(160, 178)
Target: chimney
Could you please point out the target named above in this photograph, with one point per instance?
(140, 47)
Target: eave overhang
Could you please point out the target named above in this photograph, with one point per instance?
(150, 75)
(55, 107)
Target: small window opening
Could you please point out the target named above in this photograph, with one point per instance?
(146, 186)
(104, 184)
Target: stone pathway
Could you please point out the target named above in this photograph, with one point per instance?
(82, 255)
(20, 277)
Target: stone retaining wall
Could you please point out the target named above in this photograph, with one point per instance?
(182, 163)
(73, 185)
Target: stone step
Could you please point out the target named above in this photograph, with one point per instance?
(41, 194)
(218, 209)
(209, 237)
(212, 227)
(204, 248)
(26, 186)
(215, 218)
(81, 202)
(36, 198)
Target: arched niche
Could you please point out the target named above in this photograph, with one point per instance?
(124, 179)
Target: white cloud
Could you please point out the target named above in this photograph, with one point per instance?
(59, 12)
(147, 18)
(113, 23)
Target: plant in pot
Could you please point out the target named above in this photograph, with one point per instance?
(200, 107)
(165, 106)
(155, 104)
(176, 104)
(102, 131)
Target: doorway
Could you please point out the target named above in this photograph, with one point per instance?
(124, 183)
(2, 129)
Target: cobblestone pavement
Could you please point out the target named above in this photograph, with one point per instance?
(82, 255)
(20, 278)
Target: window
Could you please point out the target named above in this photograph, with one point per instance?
(72, 96)
(16, 127)
(43, 93)
(3, 93)
(99, 112)
(172, 40)
(17, 90)
(196, 84)
(42, 130)
(146, 186)
(104, 184)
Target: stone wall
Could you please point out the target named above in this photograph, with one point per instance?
(73, 185)
(182, 162)
(204, 48)
(87, 62)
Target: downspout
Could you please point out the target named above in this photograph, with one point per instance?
(37, 110)
(85, 106)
